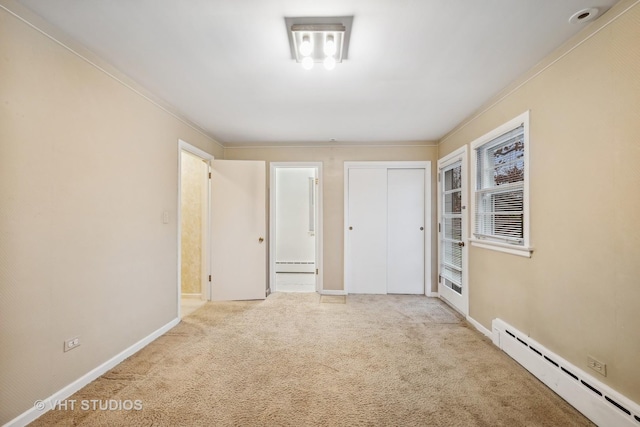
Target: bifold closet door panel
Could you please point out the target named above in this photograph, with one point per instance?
(367, 228)
(406, 231)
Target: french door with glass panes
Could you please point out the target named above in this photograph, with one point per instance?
(452, 230)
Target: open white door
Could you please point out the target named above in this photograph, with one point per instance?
(238, 226)
(452, 224)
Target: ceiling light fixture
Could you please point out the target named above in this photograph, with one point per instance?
(322, 39)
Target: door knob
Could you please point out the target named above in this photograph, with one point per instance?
(260, 240)
(460, 244)
(350, 228)
(421, 228)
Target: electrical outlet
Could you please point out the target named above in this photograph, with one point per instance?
(72, 343)
(597, 366)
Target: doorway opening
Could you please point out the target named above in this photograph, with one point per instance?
(295, 227)
(193, 226)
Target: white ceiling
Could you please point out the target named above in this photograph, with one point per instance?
(416, 68)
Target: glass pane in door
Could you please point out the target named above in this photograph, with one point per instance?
(451, 244)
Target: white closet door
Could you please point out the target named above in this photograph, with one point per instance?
(367, 228)
(406, 231)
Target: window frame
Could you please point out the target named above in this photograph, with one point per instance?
(525, 248)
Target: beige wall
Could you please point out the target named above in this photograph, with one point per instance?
(579, 294)
(87, 167)
(333, 159)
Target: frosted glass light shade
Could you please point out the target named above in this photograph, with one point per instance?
(306, 48)
(330, 63)
(307, 62)
(330, 46)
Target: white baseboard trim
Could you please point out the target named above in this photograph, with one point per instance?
(432, 294)
(597, 401)
(50, 402)
(479, 326)
(332, 292)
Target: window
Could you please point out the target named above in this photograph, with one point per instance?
(501, 188)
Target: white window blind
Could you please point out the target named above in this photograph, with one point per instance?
(499, 192)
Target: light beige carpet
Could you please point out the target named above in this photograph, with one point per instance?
(292, 360)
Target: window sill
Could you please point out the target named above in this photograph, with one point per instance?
(502, 247)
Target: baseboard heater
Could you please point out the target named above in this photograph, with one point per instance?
(598, 402)
(295, 266)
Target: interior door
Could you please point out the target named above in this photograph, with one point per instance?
(367, 230)
(406, 224)
(238, 226)
(452, 284)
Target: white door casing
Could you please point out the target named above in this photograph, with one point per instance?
(453, 284)
(207, 159)
(238, 230)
